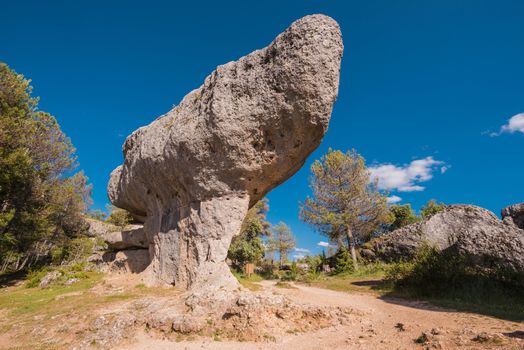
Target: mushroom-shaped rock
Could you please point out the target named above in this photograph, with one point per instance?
(194, 172)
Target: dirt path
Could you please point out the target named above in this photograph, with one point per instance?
(378, 324)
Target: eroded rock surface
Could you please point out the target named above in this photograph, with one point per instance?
(514, 214)
(237, 315)
(132, 237)
(194, 172)
(465, 229)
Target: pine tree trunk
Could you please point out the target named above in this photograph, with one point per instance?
(351, 241)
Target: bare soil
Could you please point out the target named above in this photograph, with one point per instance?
(377, 323)
(382, 323)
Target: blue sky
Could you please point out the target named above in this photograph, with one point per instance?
(426, 86)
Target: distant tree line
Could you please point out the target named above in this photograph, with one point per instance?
(346, 207)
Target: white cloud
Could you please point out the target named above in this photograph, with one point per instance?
(302, 250)
(515, 124)
(393, 199)
(298, 256)
(406, 178)
(323, 244)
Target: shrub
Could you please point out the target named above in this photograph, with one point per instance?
(34, 277)
(119, 217)
(72, 251)
(343, 261)
(292, 274)
(431, 208)
(448, 274)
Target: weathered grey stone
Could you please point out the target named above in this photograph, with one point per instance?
(132, 261)
(49, 279)
(98, 228)
(514, 214)
(194, 172)
(466, 229)
(131, 238)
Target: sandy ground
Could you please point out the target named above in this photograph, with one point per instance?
(375, 323)
(378, 324)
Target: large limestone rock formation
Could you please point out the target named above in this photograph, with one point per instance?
(194, 172)
(514, 214)
(464, 229)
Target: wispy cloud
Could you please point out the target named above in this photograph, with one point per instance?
(406, 178)
(514, 124)
(393, 199)
(302, 250)
(323, 244)
(298, 256)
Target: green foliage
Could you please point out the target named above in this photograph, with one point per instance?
(39, 203)
(268, 270)
(450, 276)
(34, 277)
(74, 270)
(246, 249)
(343, 261)
(255, 223)
(345, 205)
(282, 242)
(422, 339)
(97, 215)
(119, 217)
(248, 282)
(285, 285)
(248, 246)
(314, 262)
(74, 250)
(431, 208)
(402, 215)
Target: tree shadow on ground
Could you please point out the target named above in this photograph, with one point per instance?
(516, 334)
(9, 279)
(510, 309)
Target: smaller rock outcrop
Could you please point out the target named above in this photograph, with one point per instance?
(463, 229)
(131, 238)
(49, 279)
(98, 228)
(514, 214)
(127, 249)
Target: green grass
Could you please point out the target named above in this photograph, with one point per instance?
(249, 282)
(22, 308)
(495, 303)
(286, 285)
(367, 279)
(480, 297)
(22, 300)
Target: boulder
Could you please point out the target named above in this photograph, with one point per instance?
(193, 173)
(134, 237)
(49, 279)
(464, 229)
(98, 228)
(514, 214)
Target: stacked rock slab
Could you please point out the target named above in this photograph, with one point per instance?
(194, 172)
(125, 250)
